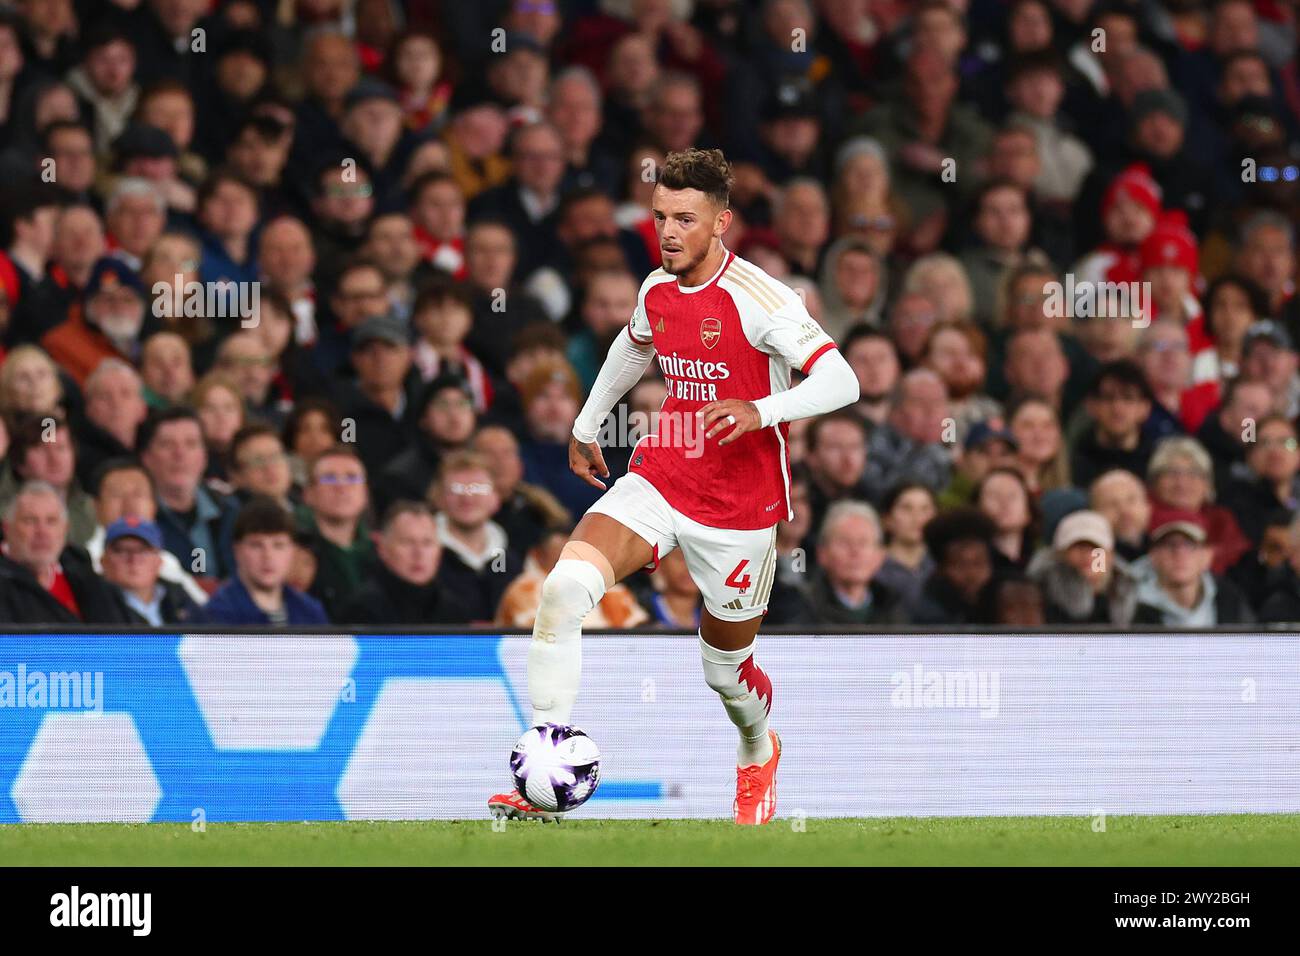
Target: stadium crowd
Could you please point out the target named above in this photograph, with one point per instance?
(299, 300)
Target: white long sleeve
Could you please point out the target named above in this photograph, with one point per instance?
(830, 384)
(624, 365)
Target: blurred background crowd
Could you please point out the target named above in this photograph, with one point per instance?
(443, 210)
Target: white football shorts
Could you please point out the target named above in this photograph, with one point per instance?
(733, 569)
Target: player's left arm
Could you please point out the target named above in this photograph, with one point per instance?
(830, 382)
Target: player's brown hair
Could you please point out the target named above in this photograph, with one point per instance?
(704, 169)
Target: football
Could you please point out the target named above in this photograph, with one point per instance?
(556, 767)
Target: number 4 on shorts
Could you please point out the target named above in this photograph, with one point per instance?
(734, 580)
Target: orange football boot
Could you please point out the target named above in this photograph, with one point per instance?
(756, 789)
(514, 807)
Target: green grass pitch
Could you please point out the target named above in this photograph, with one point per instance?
(1228, 840)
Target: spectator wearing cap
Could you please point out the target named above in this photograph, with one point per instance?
(257, 593)
(135, 215)
(1272, 484)
(1181, 476)
(1119, 403)
(44, 448)
(335, 500)
(1182, 590)
(1130, 205)
(196, 523)
(790, 133)
(1269, 356)
(132, 562)
(910, 446)
(109, 326)
(381, 400)
(843, 589)
(114, 409)
(43, 579)
(1084, 580)
(123, 489)
(961, 543)
(403, 587)
(988, 445)
(478, 561)
(442, 420)
(1158, 134)
(1171, 264)
(372, 124)
(1121, 498)
(147, 152)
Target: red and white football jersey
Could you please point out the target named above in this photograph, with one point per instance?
(737, 336)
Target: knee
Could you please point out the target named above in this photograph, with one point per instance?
(569, 593)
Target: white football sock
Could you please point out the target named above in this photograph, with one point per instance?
(569, 593)
(746, 694)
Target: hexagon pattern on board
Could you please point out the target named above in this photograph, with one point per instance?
(267, 695)
(406, 766)
(86, 768)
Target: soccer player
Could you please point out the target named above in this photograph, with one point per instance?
(713, 479)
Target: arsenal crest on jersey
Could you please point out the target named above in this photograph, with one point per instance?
(711, 332)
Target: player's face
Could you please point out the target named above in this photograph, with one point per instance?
(687, 222)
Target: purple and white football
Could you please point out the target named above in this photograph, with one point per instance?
(556, 767)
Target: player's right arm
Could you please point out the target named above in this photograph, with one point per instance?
(625, 363)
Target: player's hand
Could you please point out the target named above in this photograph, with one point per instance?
(587, 462)
(732, 413)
